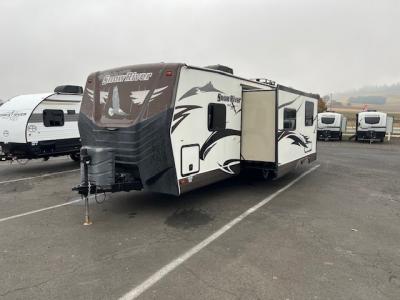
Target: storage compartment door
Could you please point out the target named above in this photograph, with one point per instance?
(190, 159)
(258, 126)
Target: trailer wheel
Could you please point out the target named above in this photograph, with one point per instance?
(75, 157)
(266, 174)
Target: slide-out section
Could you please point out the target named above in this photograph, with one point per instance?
(258, 126)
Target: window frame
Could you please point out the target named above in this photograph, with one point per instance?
(307, 117)
(47, 123)
(211, 113)
(285, 110)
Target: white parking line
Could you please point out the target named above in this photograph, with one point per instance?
(39, 210)
(138, 290)
(39, 176)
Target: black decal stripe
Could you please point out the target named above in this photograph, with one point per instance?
(183, 114)
(290, 102)
(196, 90)
(214, 137)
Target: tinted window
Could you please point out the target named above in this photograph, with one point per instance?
(327, 120)
(216, 116)
(71, 111)
(309, 114)
(372, 120)
(53, 117)
(289, 119)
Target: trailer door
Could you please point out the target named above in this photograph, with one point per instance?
(258, 125)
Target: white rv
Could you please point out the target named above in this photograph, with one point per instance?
(331, 126)
(41, 125)
(373, 126)
(171, 128)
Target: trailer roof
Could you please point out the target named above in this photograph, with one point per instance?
(24, 101)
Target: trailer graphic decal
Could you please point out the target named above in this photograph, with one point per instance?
(226, 166)
(115, 108)
(290, 102)
(183, 114)
(297, 139)
(197, 90)
(214, 138)
(12, 115)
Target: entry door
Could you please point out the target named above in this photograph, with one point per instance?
(190, 159)
(258, 125)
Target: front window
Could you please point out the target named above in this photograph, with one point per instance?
(372, 120)
(327, 120)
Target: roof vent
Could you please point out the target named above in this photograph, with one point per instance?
(264, 81)
(221, 68)
(69, 89)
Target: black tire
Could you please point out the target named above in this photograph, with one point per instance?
(75, 157)
(340, 137)
(382, 139)
(266, 174)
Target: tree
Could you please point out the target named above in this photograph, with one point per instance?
(321, 105)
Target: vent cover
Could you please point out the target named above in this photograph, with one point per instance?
(69, 89)
(221, 68)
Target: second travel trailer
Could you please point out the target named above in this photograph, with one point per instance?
(331, 126)
(172, 128)
(41, 125)
(373, 126)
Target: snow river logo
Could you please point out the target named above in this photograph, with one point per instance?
(12, 115)
(130, 76)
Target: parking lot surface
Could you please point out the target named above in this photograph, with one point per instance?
(333, 234)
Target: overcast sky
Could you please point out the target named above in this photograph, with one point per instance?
(313, 45)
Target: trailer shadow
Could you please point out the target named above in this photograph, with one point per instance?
(198, 207)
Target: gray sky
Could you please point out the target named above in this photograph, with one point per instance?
(313, 45)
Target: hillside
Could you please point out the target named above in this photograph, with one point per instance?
(383, 98)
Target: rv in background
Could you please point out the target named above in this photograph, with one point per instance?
(373, 126)
(172, 128)
(41, 125)
(331, 126)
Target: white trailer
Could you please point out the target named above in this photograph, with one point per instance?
(171, 128)
(373, 126)
(331, 126)
(41, 125)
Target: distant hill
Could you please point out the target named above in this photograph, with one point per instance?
(384, 98)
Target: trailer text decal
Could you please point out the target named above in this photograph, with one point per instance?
(12, 115)
(130, 76)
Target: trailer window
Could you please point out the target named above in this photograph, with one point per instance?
(309, 114)
(216, 116)
(289, 119)
(372, 120)
(53, 117)
(327, 120)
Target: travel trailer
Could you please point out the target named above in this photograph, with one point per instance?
(331, 126)
(172, 128)
(41, 125)
(373, 126)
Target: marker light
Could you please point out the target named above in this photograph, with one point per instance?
(168, 73)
